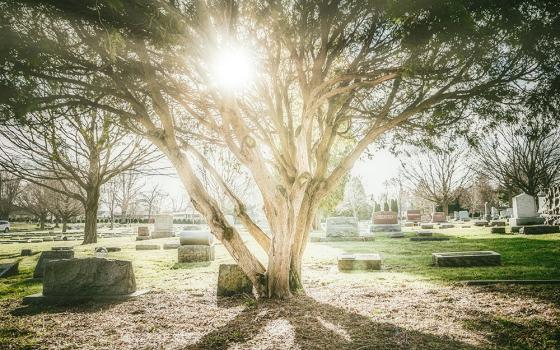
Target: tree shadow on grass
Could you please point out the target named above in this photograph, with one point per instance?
(86, 306)
(309, 324)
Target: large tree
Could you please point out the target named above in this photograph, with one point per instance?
(323, 72)
(73, 152)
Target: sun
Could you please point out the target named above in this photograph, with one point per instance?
(232, 68)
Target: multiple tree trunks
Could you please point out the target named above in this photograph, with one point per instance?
(551, 212)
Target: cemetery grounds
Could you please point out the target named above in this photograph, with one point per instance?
(409, 304)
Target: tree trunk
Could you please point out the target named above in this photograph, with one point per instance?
(64, 225)
(42, 222)
(56, 222)
(445, 207)
(91, 207)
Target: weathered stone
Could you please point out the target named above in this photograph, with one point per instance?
(427, 226)
(425, 239)
(47, 256)
(163, 226)
(26, 252)
(551, 206)
(88, 277)
(142, 238)
(466, 259)
(195, 253)
(9, 269)
(62, 248)
(539, 229)
(464, 215)
(113, 249)
(143, 231)
(342, 227)
(446, 226)
(515, 229)
(385, 228)
(413, 215)
(409, 224)
(525, 211)
(348, 262)
(233, 281)
(498, 230)
(480, 223)
(196, 238)
(148, 247)
(171, 245)
(497, 223)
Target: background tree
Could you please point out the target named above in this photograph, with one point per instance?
(521, 158)
(355, 202)
(151, 199)
(35, 200)
(63, 207)
(437, 176)
(128, 188)
(10, 187)
(78, 149)
(109, 199)
(326, 72)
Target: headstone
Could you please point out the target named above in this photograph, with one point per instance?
(498, 230)
(480, 223)
(163, 226)
(539, 229)
(62, 248)
(26, 252)
(487, 215)
(446, 226)
(233, 281)
(413, 215)
(456, 215)
(396, 234)
(427, 226)
(51, 255)
(195, 253)
(348, 262)
(196, 238)
(466, 259)
(143, 231)
(524, 211)
(171, 245)
(342, 227)
(497, 223)
(494, 213)
(464, 215)
(88, 277)
(438, 217)
(148, 247)
(9, 269)
(424, 233)
(385, 221)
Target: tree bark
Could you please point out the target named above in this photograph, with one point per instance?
(42, 222)
(91, 207)
(64, 225)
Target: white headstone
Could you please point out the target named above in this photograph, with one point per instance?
(524, 206)
(163, 226)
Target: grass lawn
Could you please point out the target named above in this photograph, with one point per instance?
(408, 304)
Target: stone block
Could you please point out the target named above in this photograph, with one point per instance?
(515, 229)
(233, 281)
(396, 235)
(498, 230)
(446, 226)
(109, 249)
(428, 239)
(385, 218)
(480, 223)
(195, 253)
(26, 252)
(438, 217)
(427, 226)
(526, 221)
(196, 238)
(413, 215)
(148, 247)
(424, 233)
(497, 223)
(62, 248)
(385, 228)
(47, 256)
(539, 229)
(88, 277)
(342, 227)
(408, 224)
(9, 269)
(163, 226)
(348, 262)
(142, 238)
(466, 259)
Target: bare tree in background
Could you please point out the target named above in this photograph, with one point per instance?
(436, 176)
(10, 187)
(128, 190)
(110, 198)
(62, 206)
(521, 158)
(35, 200)
(79, 149)
(152, 199)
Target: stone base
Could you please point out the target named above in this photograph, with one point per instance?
(233, 281)
(385, 228)
(143, 238)
(148, 247)
(466, 259)
(446, 226)
(427, 226)
(396, 235)
(62, 248)
(409, 224)
(162, 234)
(526, 221)
(428, 239)
(497, 223)
(539, 229)
(480, 223)
(349, 262)
(424, 233)
(26, 252)
(171, 245)
(195, 253)
(39, 298)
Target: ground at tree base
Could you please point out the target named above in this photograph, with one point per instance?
(407, 305)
